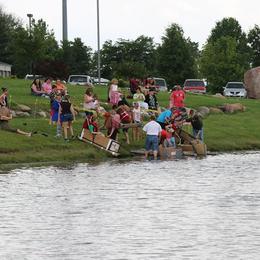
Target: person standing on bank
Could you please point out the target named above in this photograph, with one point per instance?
(197, 125)
(66, 116)
(153, 131)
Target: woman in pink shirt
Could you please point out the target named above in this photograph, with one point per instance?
(47, 88)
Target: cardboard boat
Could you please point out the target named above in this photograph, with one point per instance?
(191, 145)
(101, 142)
(163, 153)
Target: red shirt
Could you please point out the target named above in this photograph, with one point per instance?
(177, 98)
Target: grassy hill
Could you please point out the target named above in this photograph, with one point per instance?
(223, 132)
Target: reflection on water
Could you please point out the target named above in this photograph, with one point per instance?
(188, 209)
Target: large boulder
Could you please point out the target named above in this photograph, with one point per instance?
(24, 108)
(231, 108)
(215, 110)
(252, 82)
(203, 111)
(22, 114)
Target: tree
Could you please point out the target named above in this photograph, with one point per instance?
(8, 23)
(225, 56)
(176, 56)
(220, 62)
(31, 48)
(127, 58)
(254, 42)
(76, 56)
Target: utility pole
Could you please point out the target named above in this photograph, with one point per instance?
(30, 34)
(98, 42)
(64, 21)
(30, 23)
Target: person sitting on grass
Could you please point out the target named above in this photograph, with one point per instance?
(139, 97)
(151, 99)
(90, 101)
(66, 116)
(5, 117)
(47, 87)
(36, 88)
(4, 98)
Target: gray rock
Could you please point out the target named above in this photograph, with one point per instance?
(22, 114)
(219, 95)
(24, 108)
(42, 114)
(13, 113)
(203, 111)
(215, 110)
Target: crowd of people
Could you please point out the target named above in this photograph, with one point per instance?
(120, 117)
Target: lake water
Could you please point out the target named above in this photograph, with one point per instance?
(187, 209)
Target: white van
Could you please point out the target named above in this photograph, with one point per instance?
(160, 84)
(82, 80)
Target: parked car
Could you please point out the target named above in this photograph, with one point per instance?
(194, 86)
(82, 80)
(160, 84)
(235, 89)
(32, 77)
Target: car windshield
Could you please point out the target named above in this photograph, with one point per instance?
(78, 79)
(160, 82)
(194, 83)
(235, 85)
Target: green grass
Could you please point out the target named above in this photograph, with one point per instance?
(223, 132)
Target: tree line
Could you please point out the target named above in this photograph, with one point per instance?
(227, 53)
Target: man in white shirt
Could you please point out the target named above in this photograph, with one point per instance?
(153, 131)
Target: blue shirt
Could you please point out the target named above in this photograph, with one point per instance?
(165, 114)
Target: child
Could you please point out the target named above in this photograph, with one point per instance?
(67, 116)
(137, 120)
(55, 118)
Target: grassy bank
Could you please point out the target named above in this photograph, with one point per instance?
(223, 132)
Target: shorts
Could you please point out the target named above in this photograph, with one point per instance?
(66, 118)
(151, 143)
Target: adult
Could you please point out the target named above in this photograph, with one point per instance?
(67, 116)
(151, 99)
(153, 131)
(5, 117)
(197, 125)
(164, 118)
(4, 98)
(177, 97)
(133, 82)
(47, 86)
(36, 88)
